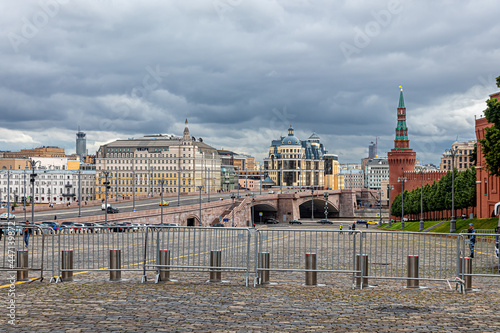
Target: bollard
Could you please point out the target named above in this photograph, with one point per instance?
(412, 272)
(115, 262)
(365, 270)
(22, 264)
(215, 261)
(468, 270)
(164, 261)
(311, 276)
(264, 263)
(67, 265)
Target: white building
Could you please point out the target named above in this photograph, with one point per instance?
(376, 170)
(51, 186)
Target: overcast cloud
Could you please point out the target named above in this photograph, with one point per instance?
(242, 71)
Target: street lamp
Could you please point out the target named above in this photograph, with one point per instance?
(380, 205)
(402, 180)
(199, 189)
(326, 205)
(453, 223)
(33, 175)
(107, 186)
(161, 194)
(421, 200)
(232, 197)
(312, 202)
(253, 209)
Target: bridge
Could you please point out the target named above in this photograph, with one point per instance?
(284, 207)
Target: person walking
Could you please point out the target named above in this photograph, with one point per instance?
(340, 227)
(472, 239)
(27, 233)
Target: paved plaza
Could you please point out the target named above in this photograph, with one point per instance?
(97, 305)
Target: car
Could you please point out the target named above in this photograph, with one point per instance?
(372, 222)
(112, 210)
(271, 192)
(218, 225)
(91, 226)
(325, 221)
(122, 227)
(163, 203)
(295, 222)
(221, 199)
(272, 221)
(52, 225)
(4, 216)
(103, 206)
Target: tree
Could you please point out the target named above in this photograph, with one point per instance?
(473, 155)
(491, 142)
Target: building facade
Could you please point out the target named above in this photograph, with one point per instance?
(139, 166)
(462, 157)
(51, 186)
(376, 170)
(487, 186)
(295, 163)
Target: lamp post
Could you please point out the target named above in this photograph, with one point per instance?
(238, 182)
(107, 186)
(453, 222)
(33, 175)
(232, 197)
(199, 189)
(253, 209)
(24, 196)
(133, 183)
(209, 184)
(402, 180)
(161, 194)
(312, 203)
(326, 205)
(421, 200)
(380, 205)
(8, 196)
(79, 192)
(390, 188)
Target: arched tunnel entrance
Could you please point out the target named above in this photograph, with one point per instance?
(319, 210)
(262, 213)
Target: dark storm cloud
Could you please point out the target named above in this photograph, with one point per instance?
(243, 71)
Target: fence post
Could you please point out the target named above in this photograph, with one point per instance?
(311, 276)
(67, 265)
(361, 265)
(264, 263)
(115, 263)
(215, 261)
(466, 271)
(164, 261)
(413, 281)
(22, 264)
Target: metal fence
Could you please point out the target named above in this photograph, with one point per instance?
(355, 256)
(215, 250)
(23, 249)
(290, 250)
(484, 248)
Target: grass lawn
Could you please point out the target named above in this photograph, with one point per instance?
(462, 224)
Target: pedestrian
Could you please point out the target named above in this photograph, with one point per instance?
(472, 239)
(86, 202)
(13, 208)
(27, 233)
(366, 224)
(354, 226)
(55, 217)
(340, 227)
(497, 243)
(350, 228)
(1, 233)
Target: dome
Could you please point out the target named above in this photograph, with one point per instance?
(291, 139)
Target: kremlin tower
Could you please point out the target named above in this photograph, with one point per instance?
(401, 158)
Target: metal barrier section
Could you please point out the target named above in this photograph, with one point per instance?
(14, 251)
(286, 249)
(486, 258)
(190, 249)
(438, 255)
(91, 248)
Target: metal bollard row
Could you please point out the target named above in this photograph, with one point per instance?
(361, 265)
(22, 265)
(311, 274)
(215, 261)
(115, 265)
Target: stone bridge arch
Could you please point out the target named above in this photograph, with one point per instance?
(192, 220)
(306, 208)
(267, 210)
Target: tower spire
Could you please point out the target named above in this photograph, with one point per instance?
(401, 141)
(401, 99)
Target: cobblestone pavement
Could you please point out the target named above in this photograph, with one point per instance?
(197, 306)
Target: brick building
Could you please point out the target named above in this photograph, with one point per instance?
(487, 187)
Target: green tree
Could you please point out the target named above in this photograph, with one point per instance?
(491, 142)
(396, 206)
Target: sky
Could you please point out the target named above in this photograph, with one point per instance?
(243, 71)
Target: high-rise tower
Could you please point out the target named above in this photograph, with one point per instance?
(81, 144)
(401, 158)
